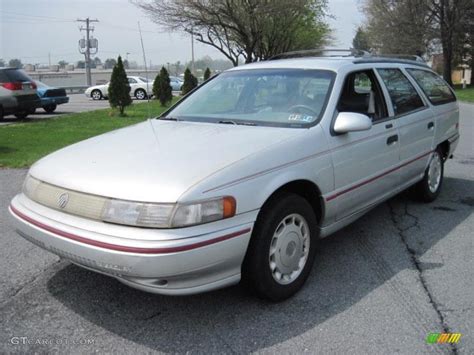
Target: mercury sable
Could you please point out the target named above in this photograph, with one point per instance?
(241, 178)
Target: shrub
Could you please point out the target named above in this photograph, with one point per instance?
(190, 81)
(119, 88)
(207, 74)
(161, 87)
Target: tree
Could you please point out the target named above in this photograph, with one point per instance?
(15, 63)
(161, 87)
(450, 17)
(81, 64)
(361, 40)
(110, 63)
(190, 82)
(119, 89)
(97, 62)
(399, 27)
(207, 73)
(251, 29)
(2, 63)
(62, 64)
(420, 27)
(126, 65)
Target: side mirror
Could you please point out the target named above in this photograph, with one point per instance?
(352, 122)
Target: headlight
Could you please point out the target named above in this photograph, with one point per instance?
(137, 214)
(168, 215)
(203, 212)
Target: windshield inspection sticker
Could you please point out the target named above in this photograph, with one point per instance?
(300, 118)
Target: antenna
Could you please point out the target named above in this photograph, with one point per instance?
(146, 71)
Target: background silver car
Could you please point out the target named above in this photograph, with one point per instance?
(240, 179)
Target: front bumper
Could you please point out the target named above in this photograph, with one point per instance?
(174, 262)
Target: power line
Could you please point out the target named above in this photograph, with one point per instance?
(36, 16)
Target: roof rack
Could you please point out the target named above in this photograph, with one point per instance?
(321, 52)
(360, 55)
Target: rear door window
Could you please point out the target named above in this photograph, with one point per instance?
(403, 94)
(435, 88)
(15, 75)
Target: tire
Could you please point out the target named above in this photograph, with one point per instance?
(50, 108)
(31, 111)
(286, 223)
(428, 189)
(96, 94)
(1, 113)
(140, 94)
(21, 115)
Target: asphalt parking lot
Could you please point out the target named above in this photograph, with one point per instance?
(379, 286)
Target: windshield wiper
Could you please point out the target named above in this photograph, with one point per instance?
(237, 123)
(168, 118)
(227, 122)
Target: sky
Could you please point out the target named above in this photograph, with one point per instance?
(36, 30)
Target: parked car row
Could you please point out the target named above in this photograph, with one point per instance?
(140, 88)
(20, 95)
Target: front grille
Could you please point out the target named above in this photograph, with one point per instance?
(64, 200)
(55, 93)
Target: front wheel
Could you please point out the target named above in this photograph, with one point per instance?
(282, 249)
(429, 188)
(96, 95)
(50, 108)
(140, 94)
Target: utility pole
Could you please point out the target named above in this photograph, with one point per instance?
(88, 46)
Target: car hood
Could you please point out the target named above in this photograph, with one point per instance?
(154, 161)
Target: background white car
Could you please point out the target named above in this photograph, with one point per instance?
(139, 88)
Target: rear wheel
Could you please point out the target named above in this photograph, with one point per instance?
(1, 113)
(282, 249)
(140, 94)
(429, 188)
(50, 108)
(96, 94)
(31, 111)
(21, 115)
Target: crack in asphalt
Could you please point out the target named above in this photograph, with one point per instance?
(32, 280)
(397, 220)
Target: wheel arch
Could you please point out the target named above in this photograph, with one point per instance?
(304, 188)
(445, 149)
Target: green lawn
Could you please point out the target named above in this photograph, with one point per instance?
(465, 94)
(23, 143)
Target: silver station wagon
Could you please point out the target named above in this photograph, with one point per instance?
(241, 177)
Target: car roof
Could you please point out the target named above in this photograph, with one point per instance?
(335, 63)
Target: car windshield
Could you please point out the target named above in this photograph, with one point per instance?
(144, 80)
(275, 97)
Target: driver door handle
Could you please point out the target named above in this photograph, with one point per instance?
(392, 139)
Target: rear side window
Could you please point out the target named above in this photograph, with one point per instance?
(14, 75)
(402, 93)
(435, 88)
